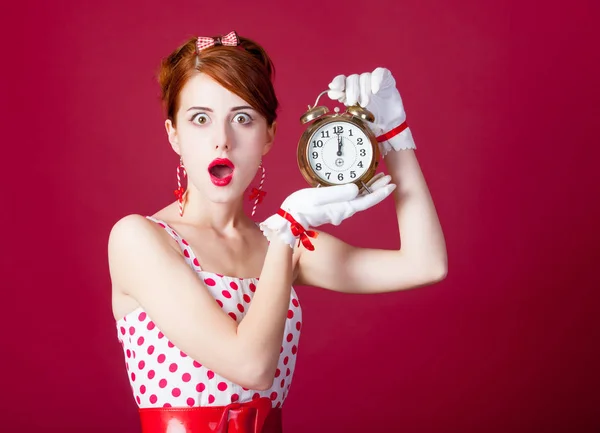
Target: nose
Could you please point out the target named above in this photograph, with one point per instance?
(223, 137)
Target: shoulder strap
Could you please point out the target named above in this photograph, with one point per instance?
(188, 253)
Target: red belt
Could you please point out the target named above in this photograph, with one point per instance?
(256, 416)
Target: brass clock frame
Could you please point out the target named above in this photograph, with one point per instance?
(320, 117)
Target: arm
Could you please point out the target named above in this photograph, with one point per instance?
(421, 261)
(422, 258)
(144, 266)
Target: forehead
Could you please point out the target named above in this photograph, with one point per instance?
(202, 90)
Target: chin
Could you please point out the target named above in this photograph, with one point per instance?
(228, 194)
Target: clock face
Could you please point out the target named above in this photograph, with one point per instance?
(339, 152)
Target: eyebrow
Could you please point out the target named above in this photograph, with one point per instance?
(241, 107)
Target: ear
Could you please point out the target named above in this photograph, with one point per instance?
(172, 134)
(271, 131)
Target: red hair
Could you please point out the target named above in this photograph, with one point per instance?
(245, 70)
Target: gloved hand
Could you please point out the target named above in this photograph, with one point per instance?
(312, 207)
(377, 93)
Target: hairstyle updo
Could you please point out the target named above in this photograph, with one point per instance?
(245, 70)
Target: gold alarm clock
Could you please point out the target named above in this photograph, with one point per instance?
(337, 148)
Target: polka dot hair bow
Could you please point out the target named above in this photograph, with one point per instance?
(230, 39)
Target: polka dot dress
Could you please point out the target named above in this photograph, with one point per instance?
(161, 375)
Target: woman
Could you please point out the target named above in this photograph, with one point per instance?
(203, 297)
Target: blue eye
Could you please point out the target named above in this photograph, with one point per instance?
(200, 119)
(242, 118)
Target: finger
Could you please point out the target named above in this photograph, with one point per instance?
(333, 194)
(376, 79)
(380, 182)
(337, 95)
(365, 89)
(371, 182)
(338, 83)
(382, 79)
(352, 89)
(366, 201)
(375, 178)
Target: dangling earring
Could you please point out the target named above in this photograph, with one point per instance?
(257, 194)
(180, 192)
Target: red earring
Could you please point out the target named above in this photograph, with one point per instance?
(180, 192)
(257, 194)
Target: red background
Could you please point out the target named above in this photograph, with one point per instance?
(503, 101)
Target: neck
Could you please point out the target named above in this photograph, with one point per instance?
(221, 217)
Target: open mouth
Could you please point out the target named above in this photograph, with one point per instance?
(221, 171)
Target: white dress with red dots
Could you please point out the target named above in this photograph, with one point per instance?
(161, 375)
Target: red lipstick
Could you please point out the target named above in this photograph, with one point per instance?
(221, 171)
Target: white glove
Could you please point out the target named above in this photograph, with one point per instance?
(313, 207)
(377, 93)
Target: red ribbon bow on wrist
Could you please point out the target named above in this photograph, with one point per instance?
(299, 231)
(230, 39)
(258, 194)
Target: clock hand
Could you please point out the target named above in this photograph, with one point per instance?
(339, 152)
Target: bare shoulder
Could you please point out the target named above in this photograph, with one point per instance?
(135, 232)
(134, 239)
(128, 228)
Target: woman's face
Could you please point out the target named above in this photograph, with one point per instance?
(220, 138)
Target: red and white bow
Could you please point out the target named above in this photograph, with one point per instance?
(230, 39)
